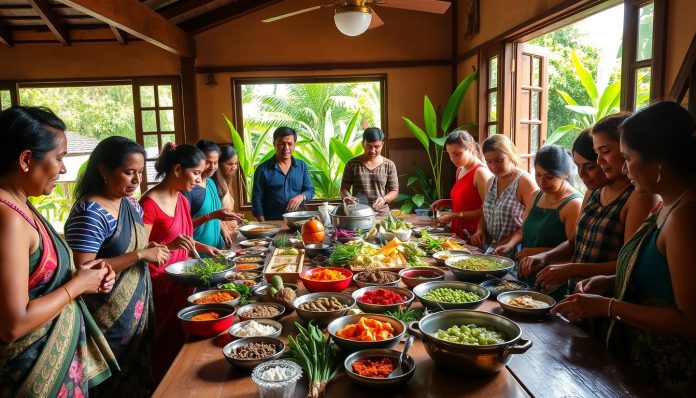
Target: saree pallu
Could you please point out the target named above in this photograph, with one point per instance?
(209, 231)
(67, 355)
(126, 315)
(668, 361)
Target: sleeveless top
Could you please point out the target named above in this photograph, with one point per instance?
(465, 197)
(503, 214)
(543, 227)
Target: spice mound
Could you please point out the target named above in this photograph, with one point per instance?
(218, 297)
(207, 316)
(377, 367)
(381, 297)
(254, 329)
(261, 311)
(253, 351)
(367, 329)
(376, 276)
(326, 275)
(246, 266)
(276, 373)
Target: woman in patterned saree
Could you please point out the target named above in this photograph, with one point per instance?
(653, 306)
(51, 346)
(106, 223)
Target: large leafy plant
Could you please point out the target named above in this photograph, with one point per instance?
(250, 154)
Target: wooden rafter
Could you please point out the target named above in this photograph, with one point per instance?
(5, 36)
(681, 82)
(52, 19)
(135, 18)
(119, 35)
(180, 7)
(224, 14)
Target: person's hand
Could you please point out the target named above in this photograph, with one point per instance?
(295, 202)
(478, 239)
(226, 215)
(379, 203)
(599, 284)
(182, 242)
(579, 306)
(156, 254)
(95, 276)
(554, 275)
(528, 252)
(446, 217)
(504, 248)
(438, 204)
(210, 250)
(229, 235)
(529, 263)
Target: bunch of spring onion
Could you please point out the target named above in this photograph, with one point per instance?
(314, 353)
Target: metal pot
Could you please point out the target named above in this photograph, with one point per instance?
(360, 217)
(296, 219)
(468, 359)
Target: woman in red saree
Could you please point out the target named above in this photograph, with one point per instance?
(51, 346)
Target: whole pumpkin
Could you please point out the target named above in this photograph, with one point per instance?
(312, 231)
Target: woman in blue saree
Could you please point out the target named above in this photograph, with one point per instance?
(50, 344)
(106, 223)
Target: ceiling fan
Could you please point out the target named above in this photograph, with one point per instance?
(354, 17)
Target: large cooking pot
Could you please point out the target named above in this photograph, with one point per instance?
(353, 217)
(469, 359)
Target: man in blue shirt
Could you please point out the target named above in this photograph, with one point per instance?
(281, 184)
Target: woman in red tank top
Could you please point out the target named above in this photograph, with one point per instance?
(469, 190)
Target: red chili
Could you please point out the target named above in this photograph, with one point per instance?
(381, 297)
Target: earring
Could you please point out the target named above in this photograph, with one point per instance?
(659, 174)
(106, 181)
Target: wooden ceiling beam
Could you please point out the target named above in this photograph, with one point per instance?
(52, 19)
(180, 7)
(119, 35)
(137, 19)
(5, 36)
(224, 14)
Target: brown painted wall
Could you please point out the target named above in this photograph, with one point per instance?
(681, 30)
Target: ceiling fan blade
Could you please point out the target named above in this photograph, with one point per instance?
(434, 6)
(376, 20)
(292, 14)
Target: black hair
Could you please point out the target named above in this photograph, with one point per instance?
(207, 146)
(663, 131)
(185, 155)
(609, 125)
(110, 154)
(463, 138)
(555, 160)
(584, 146)
(372, 134)
(27, 128)
(284, 131)
(227, 152)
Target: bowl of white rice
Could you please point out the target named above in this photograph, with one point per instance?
(256, 328)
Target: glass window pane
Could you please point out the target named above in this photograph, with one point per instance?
(493, 72)
(168, 138)
(151, 145)
(492, 129)
(164, 94)
(149, 121)
(535, 105)
(536, 72)
(166, 120)
(151, 173)
(147, 96)
(645, 32)
(492, 106)
(534, 137)
(5, 100)
(642, 95)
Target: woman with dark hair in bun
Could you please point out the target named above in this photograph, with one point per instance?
(552, 218)
(652, 303)
(226, 175)
(49, 343)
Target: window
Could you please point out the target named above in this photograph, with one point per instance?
(329, 115)
(492, 96)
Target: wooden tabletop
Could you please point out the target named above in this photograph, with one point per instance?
(563, 362)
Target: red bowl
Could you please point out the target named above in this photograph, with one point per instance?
(206, 328)
(326, 286)
(412, 277)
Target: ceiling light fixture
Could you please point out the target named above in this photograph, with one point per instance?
(353, 20)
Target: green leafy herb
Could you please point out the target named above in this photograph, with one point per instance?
(206, 268)
(243, 290)
(281, 241)
(313, 351)
(406, 316)
(429, 244)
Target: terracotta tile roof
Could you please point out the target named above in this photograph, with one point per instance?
(79, 144)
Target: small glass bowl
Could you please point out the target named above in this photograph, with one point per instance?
(277, 388)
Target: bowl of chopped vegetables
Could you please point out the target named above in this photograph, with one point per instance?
(450, 295)
(380, 299)
(363, 331)
(469, 342)
(326, 279)
(205, 272)
(206, 320)
(475, 267)
(216, 296)
(370, 368)
(257, 231)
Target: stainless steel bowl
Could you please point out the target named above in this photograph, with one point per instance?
(228, 275)
(353, 345)
(235, 294)
(251, 363)
(443, 255)
(422, 289)
(315, 249)
(394, 283)
(496, 287)
(469, 359)
(425, 274)
(177, 272)
(362, 217)
(322, 318)
(260, 292)
(246, 231)
(503, 299)
(408, 366)
(379, 308)
(241, 310)
(234, 329)
(296, 219)
(478, 276)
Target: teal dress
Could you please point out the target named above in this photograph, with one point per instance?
(543, 228)
(202, 204)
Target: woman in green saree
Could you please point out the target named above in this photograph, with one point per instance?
(50, 345)
(653, 306)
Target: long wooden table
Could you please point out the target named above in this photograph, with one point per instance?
(563, 362)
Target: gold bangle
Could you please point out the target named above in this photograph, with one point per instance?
(137, 253)
(68, 292)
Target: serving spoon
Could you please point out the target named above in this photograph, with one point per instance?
(397, 369)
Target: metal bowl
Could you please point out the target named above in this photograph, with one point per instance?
(260, 292)
(322, 318)
(315, 249)
(248, 232)
(254, 267)
(413, 277)
(241, 310)
(255, 244)
(250, 258)
(177, 272)
(422, 289)
(251, 363)
(394, 283)
(443, 255)
(478, 276)
(380, 308)
(296, 219)
(235, 294)
(503, 299)
(495, 286)
(408, 366)
(469, 359)
(234, 330)
(353, 345)
(229, 275)
(361, 217)
(252, 284)
(207, 328)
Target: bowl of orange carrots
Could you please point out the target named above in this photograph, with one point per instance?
(364, 331)
(326, 279)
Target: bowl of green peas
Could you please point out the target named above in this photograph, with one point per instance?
(450, 295)
(476, 267)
